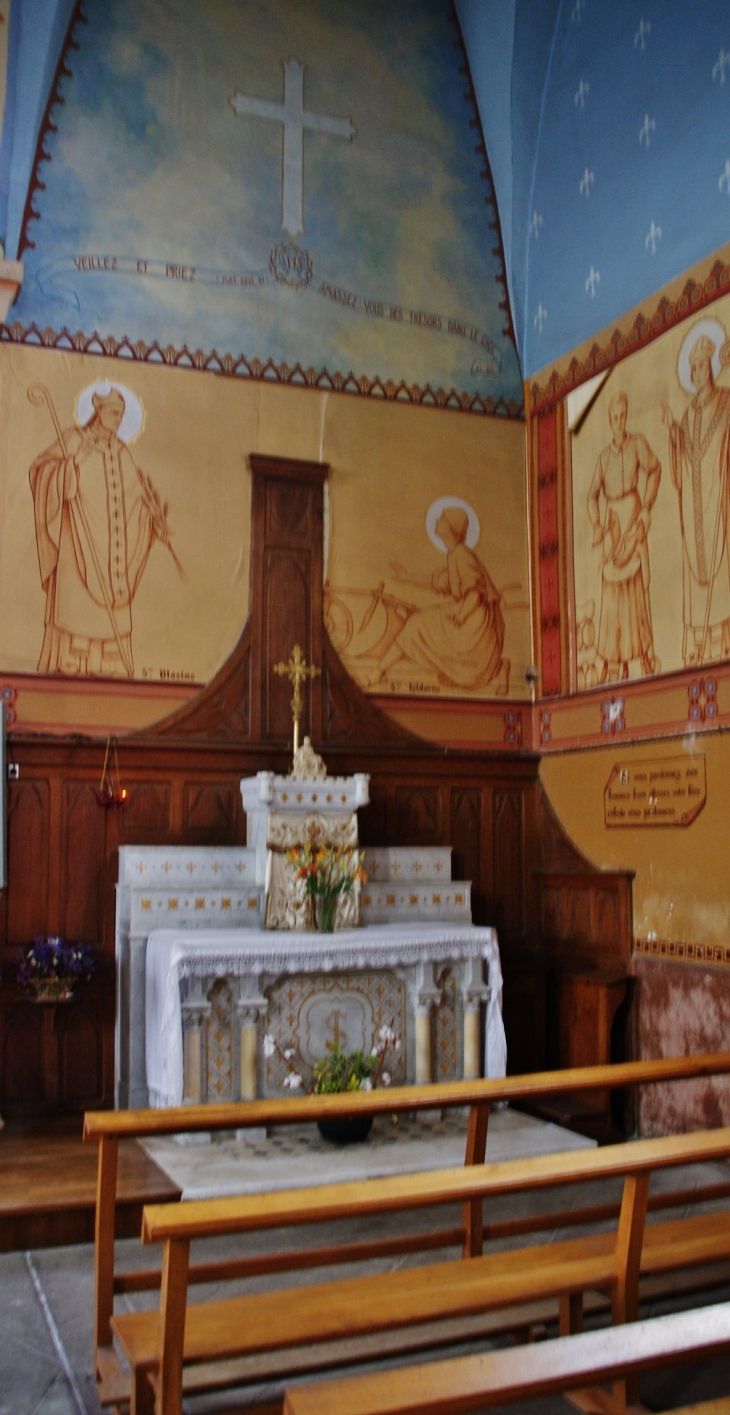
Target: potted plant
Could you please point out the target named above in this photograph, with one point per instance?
(51, 967)
(336, 1072)
(328, 871)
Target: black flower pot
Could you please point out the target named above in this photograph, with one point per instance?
(346, 1129)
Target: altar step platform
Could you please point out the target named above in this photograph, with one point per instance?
(294, 1156)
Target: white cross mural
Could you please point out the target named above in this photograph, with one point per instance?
(719, 68)
(295, 118)
(585, 184)
(653, 235)
(647, 130)
(594, 278)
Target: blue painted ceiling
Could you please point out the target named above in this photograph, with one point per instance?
(608, 133)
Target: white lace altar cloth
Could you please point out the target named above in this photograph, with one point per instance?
(173, 955)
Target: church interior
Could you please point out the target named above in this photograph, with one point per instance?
(365, 491)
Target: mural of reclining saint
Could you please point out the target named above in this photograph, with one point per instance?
(454, 639)
(97, 517)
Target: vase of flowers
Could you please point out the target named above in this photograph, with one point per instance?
(329, 871)
(51, 968)
(336, 1072)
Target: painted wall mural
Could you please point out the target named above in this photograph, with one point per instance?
(125, 529)
(651, 460)
(125, 519)
(447, 637)
(266, 188)
(97, 517)
(427, 591)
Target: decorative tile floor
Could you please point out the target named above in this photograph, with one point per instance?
(297, 1155)
(46, 1296)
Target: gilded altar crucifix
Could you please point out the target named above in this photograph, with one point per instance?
(297, 670)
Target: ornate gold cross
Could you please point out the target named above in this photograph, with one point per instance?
(296, 670)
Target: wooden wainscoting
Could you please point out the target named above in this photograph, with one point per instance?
(183, 782)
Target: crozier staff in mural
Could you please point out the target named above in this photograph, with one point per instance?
(622, 493)
(97, 517)
(458, 638)
(699, 456)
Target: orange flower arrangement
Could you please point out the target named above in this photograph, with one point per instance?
(329, 871)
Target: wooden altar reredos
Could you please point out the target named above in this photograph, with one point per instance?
(553, 911)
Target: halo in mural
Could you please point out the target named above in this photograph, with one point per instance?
(134, 414)
(713, 330)
(434, 512)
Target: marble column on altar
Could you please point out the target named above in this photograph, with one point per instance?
(196, 1010)
(250, 1008)
(428, 997)
(475, 993)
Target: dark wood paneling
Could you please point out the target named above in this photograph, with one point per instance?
(84, 854)
(28, 842)
(419, 814)
(209, 811)
(79, 1044)
(183, 775)
(148, 812)
(585, 918)
(509, 860)
(287, 509)
(22, 1078)
(466, 843)
(286, 622)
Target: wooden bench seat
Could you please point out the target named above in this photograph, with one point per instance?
(270, 1321)
(468, 1383)
(163, 1342)
(106, 1128)
(352, 1307)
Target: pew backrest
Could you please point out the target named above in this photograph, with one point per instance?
(468, 1383)
(208, 1218)
(163, 1342)
(106, 1128)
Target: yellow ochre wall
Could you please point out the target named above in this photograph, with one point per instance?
(388, 464)
(682, 884)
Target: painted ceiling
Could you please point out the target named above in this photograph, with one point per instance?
(271, 188)
(607, 133)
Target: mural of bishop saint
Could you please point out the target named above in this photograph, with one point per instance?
(97, 517)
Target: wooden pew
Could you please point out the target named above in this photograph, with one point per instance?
(158, 1344)
(478, 1382)
(106, 1128)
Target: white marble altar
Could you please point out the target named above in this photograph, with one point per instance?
(195, 887)
(194, 1005)
(222, 887)
(184, 974)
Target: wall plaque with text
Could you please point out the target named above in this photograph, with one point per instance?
(667, 791)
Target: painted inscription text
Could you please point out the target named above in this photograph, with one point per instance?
(668, 791)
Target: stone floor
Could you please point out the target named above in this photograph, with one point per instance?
(46, 1295)
(297, 1155)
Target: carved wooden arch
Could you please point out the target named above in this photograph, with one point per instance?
(245, 701)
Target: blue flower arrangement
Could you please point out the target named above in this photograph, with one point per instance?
(50, 966)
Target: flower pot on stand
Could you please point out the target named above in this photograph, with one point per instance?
(346, 1129)
(53, 989)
